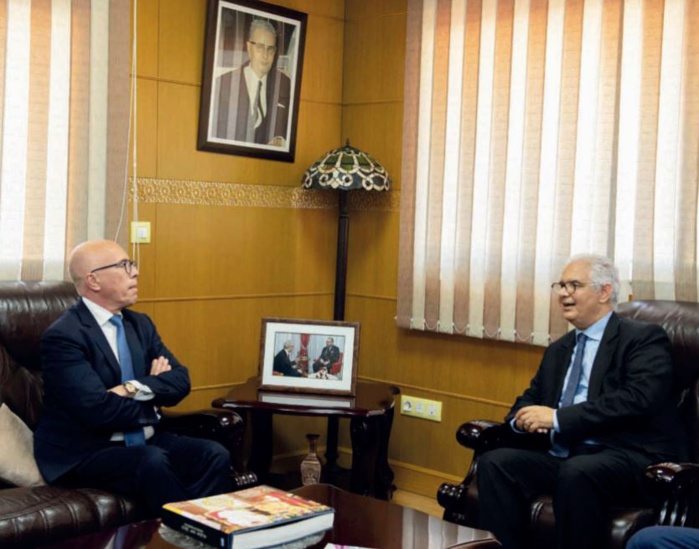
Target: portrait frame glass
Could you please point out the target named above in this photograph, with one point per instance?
(311, 346)
(233, 117)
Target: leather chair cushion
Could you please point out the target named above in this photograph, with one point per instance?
(37, 515)
(17, 464)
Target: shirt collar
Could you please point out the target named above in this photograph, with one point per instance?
(101, 314)
(597, 329)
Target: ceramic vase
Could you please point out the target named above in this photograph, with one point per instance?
(310, 466)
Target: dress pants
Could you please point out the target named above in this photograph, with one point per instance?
(167, 468)
(583, 486)
(665, 537)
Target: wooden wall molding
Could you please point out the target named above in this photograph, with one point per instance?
(212, 193)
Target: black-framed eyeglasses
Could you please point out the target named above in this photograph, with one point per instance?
(263, 48)
(127, 264)
(569, 286)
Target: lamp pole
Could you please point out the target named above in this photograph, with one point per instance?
(331, 453)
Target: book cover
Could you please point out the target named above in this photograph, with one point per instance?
(247, 519)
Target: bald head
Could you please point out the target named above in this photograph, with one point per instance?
(96, 271)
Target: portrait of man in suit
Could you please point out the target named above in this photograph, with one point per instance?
(328, 356)
(252, 101)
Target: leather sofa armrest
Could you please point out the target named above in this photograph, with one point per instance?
(675, 485)
(223, 426)
(482, 435)
(217, 425)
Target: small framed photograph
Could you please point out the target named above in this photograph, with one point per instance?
(253, 58)
(309, 356)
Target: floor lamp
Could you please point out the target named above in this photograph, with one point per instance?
(344, 169)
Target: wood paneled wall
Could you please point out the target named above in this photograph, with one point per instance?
(220, 261)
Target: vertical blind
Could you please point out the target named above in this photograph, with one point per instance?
(64, 112)
(539, 129)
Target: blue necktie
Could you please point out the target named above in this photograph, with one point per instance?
(560, 448)
(136, 437)
(575, 373)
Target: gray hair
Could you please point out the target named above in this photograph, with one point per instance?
(288, 344)
(262, 24)
(602, 271)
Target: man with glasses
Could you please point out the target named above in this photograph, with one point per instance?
(106, 373)
(251, 103)
(604, 395)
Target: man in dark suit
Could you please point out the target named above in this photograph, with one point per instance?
(282, 361)
(608, 415)
(106, 373)
(251, 103)
(328, 356)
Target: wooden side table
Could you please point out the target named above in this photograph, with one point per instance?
(370, 413)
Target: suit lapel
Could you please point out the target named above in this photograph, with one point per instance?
(605, 354)
(97, 335)
(563, 363)
(137, 355)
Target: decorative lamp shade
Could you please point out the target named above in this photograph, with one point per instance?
(347, 168)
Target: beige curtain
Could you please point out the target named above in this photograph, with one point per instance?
(64, 111)
(539, 129)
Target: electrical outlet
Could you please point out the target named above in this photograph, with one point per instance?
(421, 407)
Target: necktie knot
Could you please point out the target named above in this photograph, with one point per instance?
(117, 321)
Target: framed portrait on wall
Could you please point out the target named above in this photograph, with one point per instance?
(309, 356)
(253, 59)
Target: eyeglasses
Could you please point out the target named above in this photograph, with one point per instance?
(127, 264)
(261, 48)
(569, 286)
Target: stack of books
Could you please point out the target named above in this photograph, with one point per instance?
(256, 517)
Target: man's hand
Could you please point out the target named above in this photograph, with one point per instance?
(534, 419)
(119, 390)
(160, 365)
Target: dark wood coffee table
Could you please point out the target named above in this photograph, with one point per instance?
(359, 521)
(370, 413)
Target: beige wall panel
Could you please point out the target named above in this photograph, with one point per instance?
(218, 250)
(374, 59)
(361, 9)
(322, 65)
(181, 40)
(319, 131)
(147, 38)
(178, 158)
(494, 371)
(144, 254)
(373, 254)
(220, 339)
(200, 398)
(146, 129)
(290, 434)
(145, 308)
(383, 143)
(433, 445)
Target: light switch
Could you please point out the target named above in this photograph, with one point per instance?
(140, 232)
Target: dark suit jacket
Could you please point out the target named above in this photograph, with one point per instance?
(631, 402)
(284, 365)
(78, 367)
(331, 354)
(233, 99)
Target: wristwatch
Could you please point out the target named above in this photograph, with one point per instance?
(131, 389)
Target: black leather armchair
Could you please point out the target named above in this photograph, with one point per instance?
(674, 484)
(31, 516)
